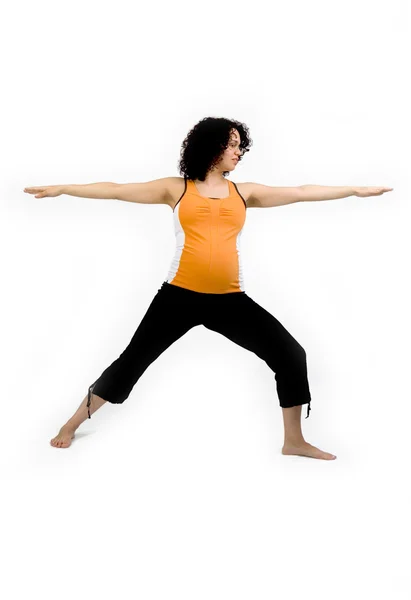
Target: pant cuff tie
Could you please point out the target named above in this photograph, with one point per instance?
(90, 389)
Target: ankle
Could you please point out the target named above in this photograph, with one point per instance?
(72, 425)
(294, 440)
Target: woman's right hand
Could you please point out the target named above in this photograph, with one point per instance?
(44, 191)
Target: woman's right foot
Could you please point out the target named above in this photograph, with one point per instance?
(63, 438)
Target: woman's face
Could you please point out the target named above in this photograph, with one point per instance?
(232, 153)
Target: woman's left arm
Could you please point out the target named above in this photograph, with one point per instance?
(332, 192)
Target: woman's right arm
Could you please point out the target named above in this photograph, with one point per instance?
(150, 192)
(104, 190)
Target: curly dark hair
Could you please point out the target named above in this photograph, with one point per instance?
(205, 143)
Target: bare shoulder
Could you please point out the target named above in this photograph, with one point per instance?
(245, 190)
(267, 196)
(176, 187)
(157, 191)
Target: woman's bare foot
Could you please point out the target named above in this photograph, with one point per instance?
(306, 449)
(63, 438)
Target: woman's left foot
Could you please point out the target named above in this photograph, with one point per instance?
(306, 449)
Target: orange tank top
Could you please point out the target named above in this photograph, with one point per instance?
(208, 233)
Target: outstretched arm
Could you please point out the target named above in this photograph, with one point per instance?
(332, 192)
(266, 196)
(150, 192)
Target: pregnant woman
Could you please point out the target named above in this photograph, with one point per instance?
(205, 284)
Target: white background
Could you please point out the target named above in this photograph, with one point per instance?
(182, 492)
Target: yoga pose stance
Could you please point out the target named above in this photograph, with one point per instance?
(205, 283)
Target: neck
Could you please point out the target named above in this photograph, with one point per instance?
(213, 180)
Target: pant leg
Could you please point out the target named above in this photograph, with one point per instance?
(170, 315)
(243, 321)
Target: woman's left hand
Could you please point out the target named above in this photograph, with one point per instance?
(362, 192)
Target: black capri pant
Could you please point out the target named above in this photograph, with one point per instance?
(175, 310)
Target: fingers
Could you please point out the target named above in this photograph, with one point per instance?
(40, 191)
(378, 191)
(33, 190)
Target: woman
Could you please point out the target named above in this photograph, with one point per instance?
(205, 284)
